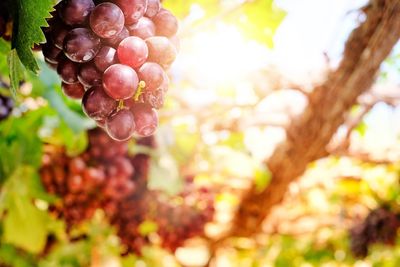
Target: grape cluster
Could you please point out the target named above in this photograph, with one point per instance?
(380, 226)
(106, 177)
(113, 55)
(6, 106)
(87, 182)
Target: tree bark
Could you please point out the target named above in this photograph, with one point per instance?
(308, 136)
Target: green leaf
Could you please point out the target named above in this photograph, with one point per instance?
(19, 143)
(16, 71)
(24, 223)
(29, 16)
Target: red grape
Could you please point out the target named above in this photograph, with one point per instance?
(81, 45)
(144, 28)
(133, 9)
(67, 70)
(107, 20)
(132, 51)
(89, 75)
(153, 7)
(114, 42)
(153, 75)
(75, 12)
(146, 119)
(74, 90)
(120, 125)
(97, 104)
(120, 81)
(161, 51)
(105, 58)
(166, 23)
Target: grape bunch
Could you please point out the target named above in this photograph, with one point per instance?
(380, 226)
(6, 106)
(89, 181)
(113, 56)
(106, 177)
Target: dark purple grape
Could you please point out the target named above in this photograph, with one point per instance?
(58, 33)
(120, 125)
(75, 12)
(97, 104)
(153, 7)
(74, 90)
(144, 28)
(115, 41)
(68, 70)
(106, 57)
(166, 23)
(107, 20)
(146, 119)
(51, 53)
(133, 9)
(81, 45)
(89, 75)
(161, 51)
(120, 81)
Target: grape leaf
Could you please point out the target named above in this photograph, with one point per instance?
(16, 71)
(29, 16)
(22, 216)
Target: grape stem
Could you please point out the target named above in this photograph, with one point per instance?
(139, 90)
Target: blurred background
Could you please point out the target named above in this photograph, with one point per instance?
(242, 75)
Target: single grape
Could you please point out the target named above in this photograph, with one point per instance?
(144, 28)
(89, 75)
(74, 90)
(97, 104)
(153, 7)
(115, 41)
(75, 12)
(81, 45)
(153, 75)
(68, 70)
(107, 20)
(120, 81)
(132, 51)
(105, 58)
(120, 125)
(154, 98)
(166, 23)
(161, 51)
(50, 52)
(58, 33)
(132, 9)
(146, 119)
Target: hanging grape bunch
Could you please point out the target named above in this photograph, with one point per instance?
(113, 55)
